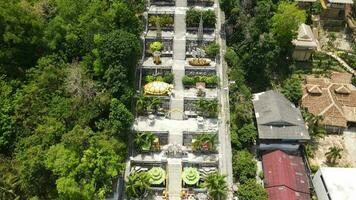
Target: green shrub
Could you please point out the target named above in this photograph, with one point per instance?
(149, 78)
(193, 18)
(164, 20)
(314, 168)
(159, 78)
(212, 50)
(353, 81)
(244, 166)
(155, 46)
(211, 80)
(168, 78)
(350, 59)
(188, 80)
(192, 80)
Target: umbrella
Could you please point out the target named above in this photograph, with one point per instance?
(157, 175)
(190, 175)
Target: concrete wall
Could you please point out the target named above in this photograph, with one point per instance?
(302, 54)
(319, 186)
(285, 147)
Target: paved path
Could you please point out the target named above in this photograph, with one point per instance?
(177, 100)
(225, 157)
(174, 178)
(350, 140)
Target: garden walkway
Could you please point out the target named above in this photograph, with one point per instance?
(177, 100)
(174, 178)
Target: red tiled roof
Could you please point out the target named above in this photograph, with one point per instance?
(285, 172)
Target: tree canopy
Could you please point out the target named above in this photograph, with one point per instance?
(65, 94)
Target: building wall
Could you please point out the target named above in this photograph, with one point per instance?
(275, 146)
(334, 129)
(319, 187)
(302, 54)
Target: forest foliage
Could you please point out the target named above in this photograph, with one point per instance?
(259, 57)
(67, 71)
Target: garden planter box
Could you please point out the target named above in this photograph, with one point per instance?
(200, 3)
(205, 29)
(163, 28)
(211, 86)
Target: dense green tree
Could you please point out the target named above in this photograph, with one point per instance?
(126, 18)
(21, 36)
(292, 90)
(9, 179)
(285, 22)
(119, 47)
(247, 135)
(216, 185)
(244, 166)
(251, 191)
(7, 132)
(263, 12)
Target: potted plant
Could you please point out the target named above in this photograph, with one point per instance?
(155, 48)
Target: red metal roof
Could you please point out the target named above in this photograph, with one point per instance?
(285, 176)
(284, 193)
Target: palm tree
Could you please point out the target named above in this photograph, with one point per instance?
(316, 130)
(144, 140)
(137, 185)
(216, 185)
(155, 103)
(213, 107)
(333, 154)
(141, 104)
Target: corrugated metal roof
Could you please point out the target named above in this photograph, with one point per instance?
(278, 118)
(284, 193)
(283, 170)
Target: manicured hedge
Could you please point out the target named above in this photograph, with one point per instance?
(193, 18)
(211, 80)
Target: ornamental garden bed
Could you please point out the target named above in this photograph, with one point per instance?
(163, 21)
(211, 81)
(193, 19)
(200, 2)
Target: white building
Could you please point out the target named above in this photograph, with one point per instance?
(332, 183)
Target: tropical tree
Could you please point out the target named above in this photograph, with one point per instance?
(141, 104)
(285, 22)
(315, 128)
(207, 108)
(155, 103)
(204, 142)
(333, 154)
(137, 185)
(247, 135)
(213, 108)
(144, 140)
(251, 191)
(216, 185)
(244, 166)
(292, 90)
